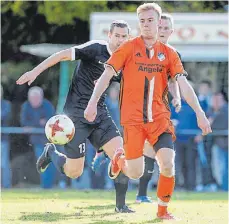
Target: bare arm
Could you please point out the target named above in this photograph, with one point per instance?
(174, 88)
(175, 92)
(64, 55)
(102, 84)
(191, 98)
(50, 61)
(189, 94)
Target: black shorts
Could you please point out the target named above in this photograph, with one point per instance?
(165, 140)
(98, 133)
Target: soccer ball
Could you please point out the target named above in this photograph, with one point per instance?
(59, 129)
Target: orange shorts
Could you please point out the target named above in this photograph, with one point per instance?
(135, 135)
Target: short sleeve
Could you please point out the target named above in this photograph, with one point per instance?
(175, 65)
(87, 51)
(119, 57)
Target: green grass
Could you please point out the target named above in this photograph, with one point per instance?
(97, 207)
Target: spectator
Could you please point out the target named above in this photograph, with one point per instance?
(204, 144)
(205, 94)
(186, 145)
(6, 174)
(219, 121)
(34, 114)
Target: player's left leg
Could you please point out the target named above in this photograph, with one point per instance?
(120, 183)
(165, 157)
(121, 186)
(149, 156)
(160, 135)
(107, 137)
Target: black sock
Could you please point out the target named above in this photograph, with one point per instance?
(143, 185)
(57, 158)
(121, 186)
(144, 180)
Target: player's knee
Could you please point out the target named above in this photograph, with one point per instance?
(74, 173)
(167, 168)
(135, 173)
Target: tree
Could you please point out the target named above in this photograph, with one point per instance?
(57, 12)
(64, 12)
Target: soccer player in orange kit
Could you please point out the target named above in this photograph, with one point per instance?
(145, 115)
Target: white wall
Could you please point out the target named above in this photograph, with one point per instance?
(197, 36)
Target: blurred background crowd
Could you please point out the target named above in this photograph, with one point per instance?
(201, 162)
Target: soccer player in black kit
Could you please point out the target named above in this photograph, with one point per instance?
(102, 133)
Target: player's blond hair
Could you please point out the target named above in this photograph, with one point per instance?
(168, 17)
(150, 6)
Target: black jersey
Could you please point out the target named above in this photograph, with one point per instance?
(92, 55)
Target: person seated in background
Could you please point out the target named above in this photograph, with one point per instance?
(35, 112)
(5, 144)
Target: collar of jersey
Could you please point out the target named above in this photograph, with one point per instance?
(141, 42)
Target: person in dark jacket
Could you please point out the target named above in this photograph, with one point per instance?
(219, 121)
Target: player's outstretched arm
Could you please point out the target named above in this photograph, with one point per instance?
(100, 87)
(175, 92)
(30, 76)
(189, 95)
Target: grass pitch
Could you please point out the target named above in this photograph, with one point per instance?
(97, 207)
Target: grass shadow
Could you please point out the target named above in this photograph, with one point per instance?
(100, 207)
(54, 217)
(95, 207)
(156, 220)
(46, 216)
(107, 222)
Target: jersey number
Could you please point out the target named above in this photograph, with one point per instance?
(82, 148)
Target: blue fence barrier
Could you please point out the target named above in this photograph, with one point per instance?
(27, 130)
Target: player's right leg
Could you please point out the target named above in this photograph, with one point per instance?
(72, 162)
(134, 138)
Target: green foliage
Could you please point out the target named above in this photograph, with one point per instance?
(12, 70)
(64, 12)
(17, 7)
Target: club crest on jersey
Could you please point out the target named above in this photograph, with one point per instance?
(161, 56)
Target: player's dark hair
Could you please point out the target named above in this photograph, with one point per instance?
(168, 17)
(222, 93)
(119, 23)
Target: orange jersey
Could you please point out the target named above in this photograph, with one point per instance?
(144, 85)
